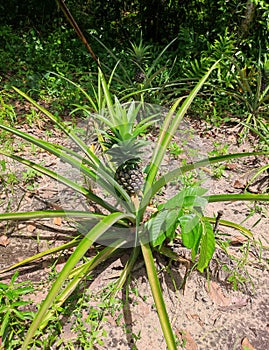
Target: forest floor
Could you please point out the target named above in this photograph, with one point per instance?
(226, 309)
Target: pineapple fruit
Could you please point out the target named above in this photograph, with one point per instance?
(125, 155)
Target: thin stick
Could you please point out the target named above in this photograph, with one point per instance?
(219, 215)
(74, 24)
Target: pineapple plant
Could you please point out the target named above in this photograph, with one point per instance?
(139, 55)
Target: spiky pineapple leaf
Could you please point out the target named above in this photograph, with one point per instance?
(125, 151)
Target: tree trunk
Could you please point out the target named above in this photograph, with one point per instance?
(248, 19)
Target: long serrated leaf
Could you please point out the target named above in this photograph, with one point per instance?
(158, 297)
(175, 173)
(67, 130)
(32, 258)
(77, 275)
(100, 175)
(64, 180)
(169, 128)
(237, 197)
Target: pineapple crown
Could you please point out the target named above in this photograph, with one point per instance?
(123, 123)
(139, 53)
(126, 151)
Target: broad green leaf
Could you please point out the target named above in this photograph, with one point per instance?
(207, 246)
(162, 226)
(171, 223)
(156, 228)
(187, 224)
(188, 197)
(197, 234)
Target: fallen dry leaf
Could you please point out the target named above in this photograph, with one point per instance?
(31, 228)
(187, 339)
(238, 240)
(239, 184)
(245, 345)
(4, 241)
(57, 221)
(225, 303)
(216, 295)
(231, 166)
(196, 318)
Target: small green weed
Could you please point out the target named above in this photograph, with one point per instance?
(219, 150)
(175, 149)
(14, 317)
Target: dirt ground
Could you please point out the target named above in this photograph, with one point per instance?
(209, 313)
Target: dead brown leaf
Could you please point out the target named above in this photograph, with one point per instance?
(4, 241)
(31, 228)
(57, 221)
(239, 184)
(245, 345)
(224, 303)
(238, 240)
(231, 166)
(196, 318)
(187, 339)
(216, 295)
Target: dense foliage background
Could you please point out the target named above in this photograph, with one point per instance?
(36, 38)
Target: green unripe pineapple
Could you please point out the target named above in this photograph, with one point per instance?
(125, 155)
(130, 177)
